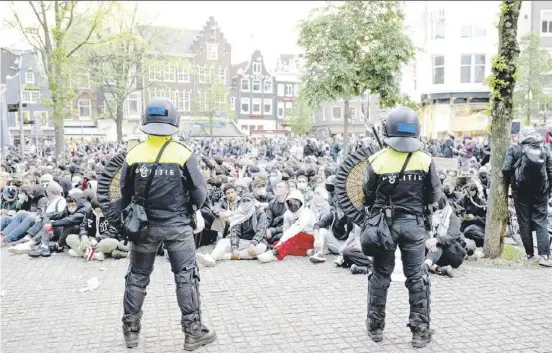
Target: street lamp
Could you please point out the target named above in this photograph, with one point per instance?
(18, 69)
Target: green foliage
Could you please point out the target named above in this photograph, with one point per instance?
(534, 73)
(353, 47)
(58, 30)
(405, 101)
(299, 118)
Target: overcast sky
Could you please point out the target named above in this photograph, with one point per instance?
(269, 26)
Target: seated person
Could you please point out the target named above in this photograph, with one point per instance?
(352, 255)
(475, 213)
(275, 213)
(247, 235)
(298, 231)
(303, 186)
(96, 237)
(224, 208)
(445, 248)
(10, 204)
(63, 223)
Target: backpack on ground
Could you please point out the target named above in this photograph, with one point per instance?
(530, 169)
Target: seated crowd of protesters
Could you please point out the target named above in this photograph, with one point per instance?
(264, 206)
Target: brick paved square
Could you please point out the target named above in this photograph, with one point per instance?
(289, 306)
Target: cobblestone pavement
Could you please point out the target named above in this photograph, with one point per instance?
(290, 306)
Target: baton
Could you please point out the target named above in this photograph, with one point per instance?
(377, 136)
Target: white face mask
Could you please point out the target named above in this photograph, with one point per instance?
(72, 208)
(22, 197)
(302, 185)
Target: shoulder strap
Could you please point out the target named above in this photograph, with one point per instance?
(153, 169)
(401, 173)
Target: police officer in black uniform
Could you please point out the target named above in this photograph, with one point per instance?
(177, 189)
(404, 202)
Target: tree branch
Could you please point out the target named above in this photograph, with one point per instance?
(92, 29)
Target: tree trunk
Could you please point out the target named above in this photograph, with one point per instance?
(503, 85)
(346, 128)
(58, 101)
(119, 121)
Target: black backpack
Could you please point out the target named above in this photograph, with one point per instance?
(530, 168)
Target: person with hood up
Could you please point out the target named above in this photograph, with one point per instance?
(448, 246)
(298, 232)
(9, 202)
(327, 227)
(247, 234)
(527, 168)
(62, 224)
(20, 224)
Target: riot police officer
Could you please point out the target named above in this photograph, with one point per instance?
(402, 196)
(177, 189)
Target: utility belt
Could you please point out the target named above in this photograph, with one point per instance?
(392, 213)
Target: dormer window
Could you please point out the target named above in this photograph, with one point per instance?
(257, 68)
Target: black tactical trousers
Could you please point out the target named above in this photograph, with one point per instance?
(179, 242)
(354, 256)
(409, 234)
(533, 215)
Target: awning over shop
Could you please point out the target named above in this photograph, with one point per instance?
(82, 131)
(218, 130)
(470, 123)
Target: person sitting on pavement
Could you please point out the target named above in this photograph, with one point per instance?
(247, 234)
(224, 208)
(475, 213)
(322, 228)
(298, 232)
(275, 213)
(96, 237)
(445, 249)
(56, 204)
(10, 203)
(63, 223)
(351, 255)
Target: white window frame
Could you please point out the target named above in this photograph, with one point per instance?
(184, 101)
(79, 106)
(253, 83)
(288, 91)
(341, 114)
(436, 17)
(183, 74)
(257, 68)
(169, 73)
(212, 51)
(548, 14)
(259, 102)
(233, 103)
(245, 101)
(473, 30)
(472, 67)
(281, 89)
(31, 96)
(267, 83)
(155, 74)
(323, 113)
(202, 74)
(43, 119)
(288, 106)
(296, 89)
(29, 77)
(134, 96)
(281, 105)
(221, 74)
(86, 77)
(248, 85)
(433, 68)
(267, 101)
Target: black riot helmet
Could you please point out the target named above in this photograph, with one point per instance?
(161, 118)
(402, 129)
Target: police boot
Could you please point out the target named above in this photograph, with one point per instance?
(198, 336)
(131, 335)
(375, 331)
(421, 336)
